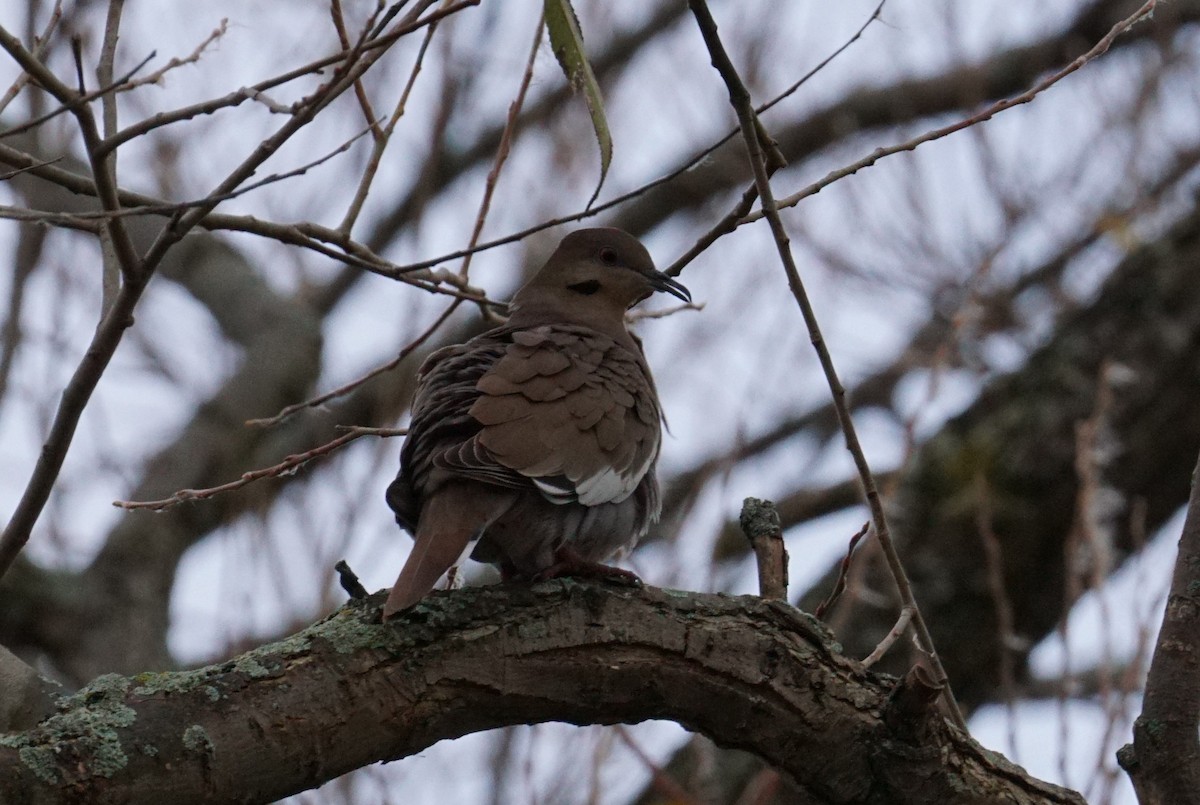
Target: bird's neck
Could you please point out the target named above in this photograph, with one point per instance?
(530, 314)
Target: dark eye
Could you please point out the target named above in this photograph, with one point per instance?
(587, 287)
(608, 256)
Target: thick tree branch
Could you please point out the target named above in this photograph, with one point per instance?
(1164, 759)
(348, 691)
(25, 697)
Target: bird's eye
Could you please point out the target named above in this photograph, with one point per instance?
(587, 287)
(608, 256)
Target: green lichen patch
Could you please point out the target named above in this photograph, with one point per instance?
(153, 684)
(41, 760)
(196, 740)
(254, 666)
(346, 631)
(83, 739)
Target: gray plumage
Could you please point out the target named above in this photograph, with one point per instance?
(538, 438)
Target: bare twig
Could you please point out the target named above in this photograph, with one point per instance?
(752, 134)
(637, 314)
(1005, 633)
(843, 572)
(991, 111)
(289, 465)
(267, 422)
(360, 91)
(502, 150)
(136, 271)
(384, 137)
(894, 634)
(40, 43)
(493, 175)
(131, 83)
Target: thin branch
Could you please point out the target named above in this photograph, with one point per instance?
(40, 43)
(289, 465)
(1005, 631)
(136, 271)
(342, 390)
(116, 319)
(493, 175)
(638, 314)
(117, 86)
(894, 634)
(383, 138)
(505, 146)
(991, 111)
(173, 63)
(104, 72)
(111, 263)
(360, 91)
(843, 572)
(239, 96)
(752, 134)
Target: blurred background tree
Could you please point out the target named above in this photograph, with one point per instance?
(1013, 308)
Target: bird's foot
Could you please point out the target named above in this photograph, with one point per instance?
(570, 564)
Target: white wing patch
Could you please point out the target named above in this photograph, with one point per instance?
(559, 491)
(606, 486)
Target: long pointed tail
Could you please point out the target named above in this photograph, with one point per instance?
(432, 555)
(450, 519)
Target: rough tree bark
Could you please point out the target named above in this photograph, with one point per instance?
(1164, 759)
(348, 691)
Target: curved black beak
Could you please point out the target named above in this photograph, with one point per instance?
(661, 282)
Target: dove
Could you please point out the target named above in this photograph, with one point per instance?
(537, 440)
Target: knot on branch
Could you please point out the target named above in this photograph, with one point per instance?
(908, 707)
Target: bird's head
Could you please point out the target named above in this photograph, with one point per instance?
(592, 278)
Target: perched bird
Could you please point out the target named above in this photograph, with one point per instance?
(538, 439)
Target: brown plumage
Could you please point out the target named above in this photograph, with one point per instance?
(539, 438)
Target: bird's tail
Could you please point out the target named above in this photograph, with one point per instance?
(450, 519)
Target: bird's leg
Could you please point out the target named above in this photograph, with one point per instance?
(568, 562)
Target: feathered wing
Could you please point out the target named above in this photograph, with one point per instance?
(441, 419)
(570, 411)
(443, 518)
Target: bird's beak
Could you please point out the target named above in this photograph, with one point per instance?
(661, 282)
